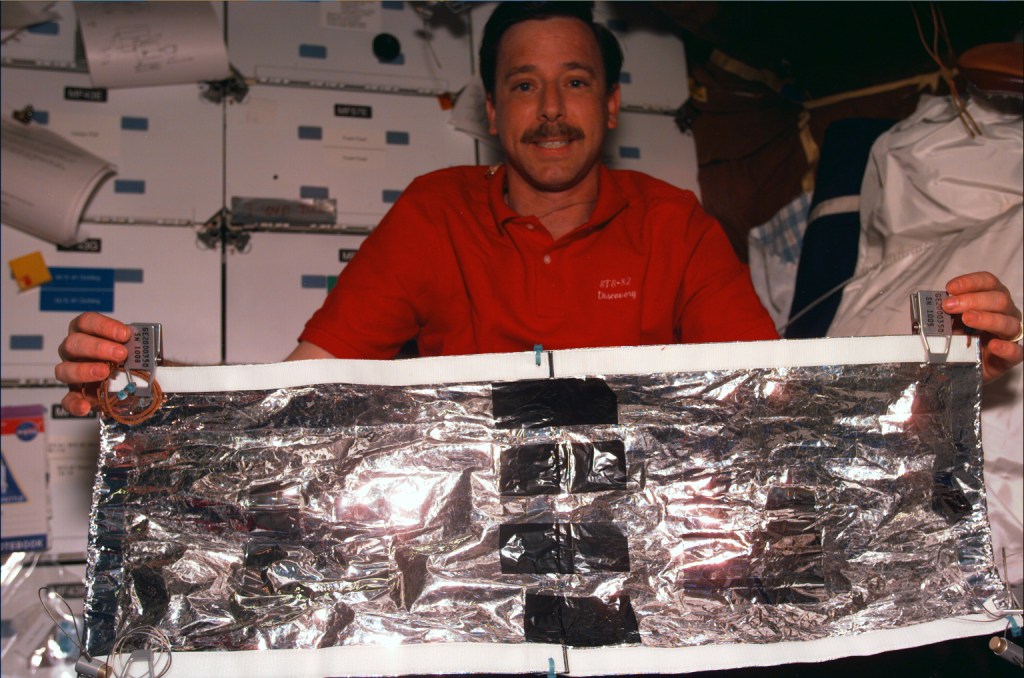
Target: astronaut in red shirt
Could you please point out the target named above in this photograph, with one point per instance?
(550, 248)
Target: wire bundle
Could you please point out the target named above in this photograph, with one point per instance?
(153, 647)
(122, 406)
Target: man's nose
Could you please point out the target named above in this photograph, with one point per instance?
(552, 104)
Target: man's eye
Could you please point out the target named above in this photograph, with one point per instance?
(576, 83)
(521, 87)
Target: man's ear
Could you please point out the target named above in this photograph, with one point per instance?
(614, 101)
(491, 115)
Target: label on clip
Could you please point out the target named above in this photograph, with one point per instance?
(144, 352)
(928, 317)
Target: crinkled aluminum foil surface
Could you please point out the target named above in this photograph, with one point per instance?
(748, 506)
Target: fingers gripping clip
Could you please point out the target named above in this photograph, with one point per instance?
(929, 320)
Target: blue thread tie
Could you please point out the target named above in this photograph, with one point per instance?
(551, 661)
(537, 348)
(129, 389)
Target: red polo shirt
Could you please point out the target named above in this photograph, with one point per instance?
(452, 265)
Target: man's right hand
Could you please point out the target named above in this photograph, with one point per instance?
(94, 341)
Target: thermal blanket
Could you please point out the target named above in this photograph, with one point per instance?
(592, 511)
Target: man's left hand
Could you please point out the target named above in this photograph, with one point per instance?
(984, 304)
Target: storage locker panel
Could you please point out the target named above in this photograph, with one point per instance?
(377, 46)
(273, 288)
(654, 73)
(360, 149)
(50, 44)
(133, 273)
(167, 142)
(652, 143)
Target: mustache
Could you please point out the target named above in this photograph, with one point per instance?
(552, 130)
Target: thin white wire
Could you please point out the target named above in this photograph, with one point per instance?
(163, 653)
(79, 637)
(117, 650)
(891, 259)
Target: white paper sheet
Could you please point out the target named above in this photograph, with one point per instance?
(71, 466)
(352, 16)
(47, 182)
(132, 44)
(470, 113)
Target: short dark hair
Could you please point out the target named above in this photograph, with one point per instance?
(511, 12)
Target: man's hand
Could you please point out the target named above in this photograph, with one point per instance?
(94, 341)
(984, 304)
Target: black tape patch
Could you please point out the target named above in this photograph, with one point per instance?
(562, 548)
(554, 402)
(579, 622)
(557, 468)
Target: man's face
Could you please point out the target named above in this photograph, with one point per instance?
(550, 108)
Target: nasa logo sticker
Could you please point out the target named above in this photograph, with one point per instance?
(26, 431)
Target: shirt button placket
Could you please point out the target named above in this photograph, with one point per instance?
(550, 302)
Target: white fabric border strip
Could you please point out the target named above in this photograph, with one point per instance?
(632, 660)
(400, 660)
(382, 660)
(750, 355)
(575, 363)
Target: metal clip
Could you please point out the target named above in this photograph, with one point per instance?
(145, 352)
(929, 320)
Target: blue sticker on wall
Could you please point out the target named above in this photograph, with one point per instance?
(135, 124)
(45, 28)
(396, 138)
(81, 278)
(314, 282)
(314, 192)
(129, 186)
(76, 301)
(26, 342)
(312, 51)
(78, 290)
(128, 275)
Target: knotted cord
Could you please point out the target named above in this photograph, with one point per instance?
(948, 73)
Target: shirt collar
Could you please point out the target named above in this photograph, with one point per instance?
(611, 200)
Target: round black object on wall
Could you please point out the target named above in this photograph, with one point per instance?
(386, 47)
